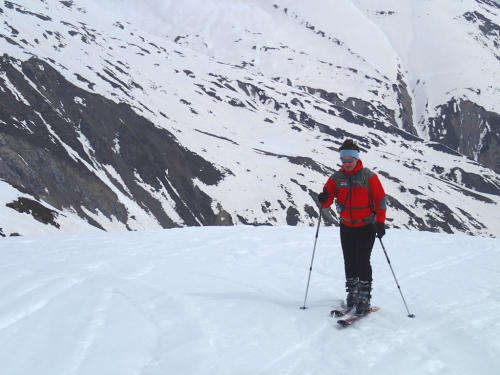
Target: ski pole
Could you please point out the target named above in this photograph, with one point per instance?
(388, 261)
(312, 259)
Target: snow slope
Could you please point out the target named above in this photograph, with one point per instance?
(225, 300)
(439, 54)
(439, 64)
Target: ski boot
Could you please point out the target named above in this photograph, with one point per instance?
(363, 302)
(352, 291)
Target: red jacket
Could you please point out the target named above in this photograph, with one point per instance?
(361, 207)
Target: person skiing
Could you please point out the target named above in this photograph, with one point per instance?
(362, 205)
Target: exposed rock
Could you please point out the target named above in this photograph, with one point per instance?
(64, 142)
(405, 105)
(359, 112)
(468, 129)
(292, 216)
(35, 209)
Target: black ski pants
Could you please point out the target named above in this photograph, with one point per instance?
(357, 244)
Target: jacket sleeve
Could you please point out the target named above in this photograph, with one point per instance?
(379, 197)
(331, 186)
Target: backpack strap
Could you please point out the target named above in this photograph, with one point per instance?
(366, 171)
(339, 178)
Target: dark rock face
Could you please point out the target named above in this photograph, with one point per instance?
(469, 129)
(349, 108)
(473, 181)
(488, 29)
(36, 209)
(405, 105)
(57, 143)
(363, 113)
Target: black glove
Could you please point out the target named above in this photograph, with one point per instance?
(323, 196)
(380, 230)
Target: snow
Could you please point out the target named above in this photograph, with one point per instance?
(429, 43)
(225, 300)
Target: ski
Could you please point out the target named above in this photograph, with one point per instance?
(355, 318)
(339, 313)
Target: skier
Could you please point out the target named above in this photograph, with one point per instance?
(361, 204)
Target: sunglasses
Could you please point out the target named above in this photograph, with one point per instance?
(351, 160)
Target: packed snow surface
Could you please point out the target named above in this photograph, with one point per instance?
(225, 300)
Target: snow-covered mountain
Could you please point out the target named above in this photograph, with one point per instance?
(432, 65)
(181, 113)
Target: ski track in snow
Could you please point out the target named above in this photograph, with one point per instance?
(226, 301)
